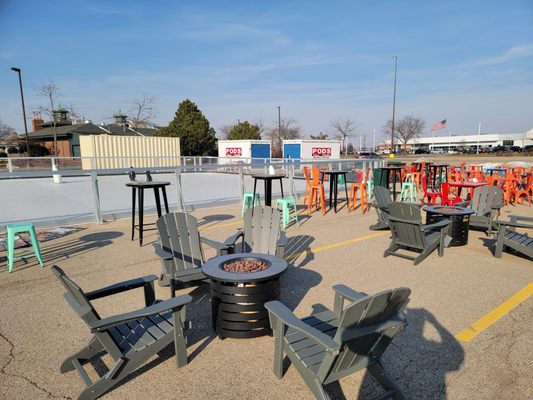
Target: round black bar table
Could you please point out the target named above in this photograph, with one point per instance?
(141, 186)
(435, 171)
(395, 170)
(334, 186)
(267, 178)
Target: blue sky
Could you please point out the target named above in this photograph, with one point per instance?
(466, 61)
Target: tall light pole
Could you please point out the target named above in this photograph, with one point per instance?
(395, 58)
(279, 121)
(17, 70)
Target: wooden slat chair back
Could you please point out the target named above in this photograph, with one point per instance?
(484, 198)
(359, 342)
(179, 236)
(382, 201)
(262, 227)
(407, 234)
(329, 345)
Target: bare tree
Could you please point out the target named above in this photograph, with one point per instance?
(344, 128)
(50, 90)
(320, 136)
(289, 130)
(405, 129)
(5, 130)
(142, 112)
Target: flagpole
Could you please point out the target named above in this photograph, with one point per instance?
(433, 141)
(449, 142)
(374, 146)
(478, 133)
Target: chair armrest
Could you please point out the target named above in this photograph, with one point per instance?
(230, 241)
(283, 314)
(171, 304)
(165, 255)
(407, 221)
(437, 225)
(214, 244)
(121, 287)
(348, 293)
(281, 244)
(515, 224)
(343, 292)
(463, 203)
(516, 218)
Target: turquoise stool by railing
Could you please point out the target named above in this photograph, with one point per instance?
(408, 188)
(248, 201)
(286, 202)
(12, 230)
(340, 180)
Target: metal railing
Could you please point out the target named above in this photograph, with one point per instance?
(43, 167)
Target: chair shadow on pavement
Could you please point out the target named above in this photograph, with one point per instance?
(214, 219)
(418, 364)
(52, 251)
(298, 250)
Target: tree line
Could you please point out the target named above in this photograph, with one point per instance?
(199, 138)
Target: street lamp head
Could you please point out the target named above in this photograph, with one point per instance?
(15, 69)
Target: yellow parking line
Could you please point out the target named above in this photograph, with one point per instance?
(334, 245)
(492, 317)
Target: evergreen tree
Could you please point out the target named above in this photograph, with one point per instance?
(244, 130)
(197, 138)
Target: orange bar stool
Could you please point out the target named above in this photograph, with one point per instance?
(316, 193)
(361, 186)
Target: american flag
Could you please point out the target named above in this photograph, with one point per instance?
(438, 125)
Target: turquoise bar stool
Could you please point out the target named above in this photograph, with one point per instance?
(408, 189)
(12, 230)
(286, 202)
(248, 201)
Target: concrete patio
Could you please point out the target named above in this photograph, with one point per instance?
(38, 330)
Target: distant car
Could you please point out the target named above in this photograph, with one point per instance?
(366, 154)
(437, 151)
(516, 149)
(528, 149)
(484, 150)
(470, 150)
(422, 151)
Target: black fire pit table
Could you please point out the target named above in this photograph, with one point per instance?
(238, 304)
(459, 217)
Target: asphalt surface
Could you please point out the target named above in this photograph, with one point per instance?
(38, 330)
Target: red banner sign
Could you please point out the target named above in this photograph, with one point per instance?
(321, 152)
(233, 151)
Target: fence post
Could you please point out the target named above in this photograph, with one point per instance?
(96, 197)
(9, 165)
(181, 202)
(241, 182)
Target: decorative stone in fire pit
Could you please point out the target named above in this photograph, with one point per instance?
(460, 221)
(241, 284)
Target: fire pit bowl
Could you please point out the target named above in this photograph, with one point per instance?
(459, 217)
(237, 306)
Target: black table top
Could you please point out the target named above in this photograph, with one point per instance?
(277, 175)
(213, 268)
(445, 210)
(334, 172)
(149, 185)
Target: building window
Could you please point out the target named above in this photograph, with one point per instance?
(508, 142)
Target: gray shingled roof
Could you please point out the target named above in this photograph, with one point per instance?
(83, 129)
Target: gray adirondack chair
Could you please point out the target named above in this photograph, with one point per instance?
(180, 249)
(486, 203)
(131, 338)
(408, 232)
(508, 236)
(261, 234)
(383, 200)
(330, 345)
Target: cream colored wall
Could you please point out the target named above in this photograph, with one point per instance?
(110, 151)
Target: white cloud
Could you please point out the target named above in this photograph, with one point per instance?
(513, 53)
